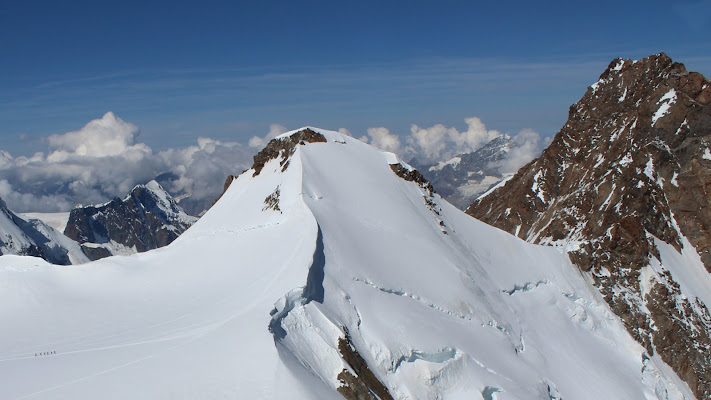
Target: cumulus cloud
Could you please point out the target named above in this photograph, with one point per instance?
(527, 146)
(440, 143)
(435, 143)
(261, 141)
(108, 136)
(382, 138)
(33, 201)
(104, 159)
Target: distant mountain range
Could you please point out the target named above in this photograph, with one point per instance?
(147, 218)
(465, 177)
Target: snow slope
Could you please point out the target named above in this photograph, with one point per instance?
(57, 221)
(30, 236)
(254, 300)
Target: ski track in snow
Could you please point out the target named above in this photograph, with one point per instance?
(193, 332)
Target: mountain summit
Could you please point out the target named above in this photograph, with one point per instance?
(147, 218)
(329, 269)
(32, 237)
(623, 188)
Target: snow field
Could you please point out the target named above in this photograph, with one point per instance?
(474, 313)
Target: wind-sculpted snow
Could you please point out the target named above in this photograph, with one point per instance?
(363, 294)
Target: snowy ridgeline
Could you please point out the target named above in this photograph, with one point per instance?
(298, 278)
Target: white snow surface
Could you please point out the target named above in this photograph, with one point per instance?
(665, 104)
(453, 162)
(472, 313)
(16, 239)
(498, 185)
(168, 204)
(56, 220)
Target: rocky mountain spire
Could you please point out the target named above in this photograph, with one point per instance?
(627, 177)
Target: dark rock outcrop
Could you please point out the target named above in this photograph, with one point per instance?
(360, 383)
(146, 219)
(284, 147)
(227, 184)
(413, 175)
(631, 164)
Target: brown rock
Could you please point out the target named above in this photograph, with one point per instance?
(628, 164)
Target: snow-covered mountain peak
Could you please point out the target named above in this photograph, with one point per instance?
(330, 272)
(32, 237)
(162, 198)
(147, 218)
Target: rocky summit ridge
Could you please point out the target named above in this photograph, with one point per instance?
(624, 188)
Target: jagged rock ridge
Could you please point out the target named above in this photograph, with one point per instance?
(627, 174)
(148, 218)
(284, 147)
(465, 177)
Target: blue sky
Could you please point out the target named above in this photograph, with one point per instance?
(227, 70)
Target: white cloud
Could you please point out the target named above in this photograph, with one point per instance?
(32, 201)
(440, 143)
(527, 146)
(103, 160)
(382, 138)
(107, 136)
(433, 144)
(274, 131)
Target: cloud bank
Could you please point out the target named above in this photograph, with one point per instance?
(104, 159)
(440, 143)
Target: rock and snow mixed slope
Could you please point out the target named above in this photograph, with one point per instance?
(32, 237)
(329, 269)
(147, 218)
(624, 188)
(465, 177)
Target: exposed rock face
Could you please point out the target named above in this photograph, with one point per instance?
(413, 175)
(146, 219)
(227, 184)
(465, 177)
(361, 384)
(33, 237)
(284, 147)
(631, 164)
